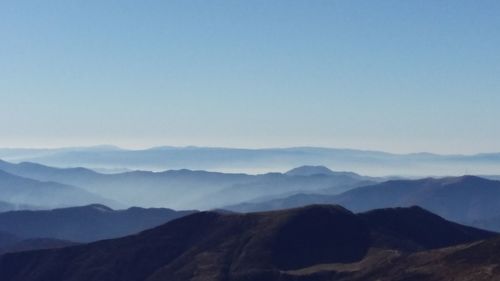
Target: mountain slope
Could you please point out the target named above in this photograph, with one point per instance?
(460, 199)
(277, 185)
(492, 223)
(84, 224)
(287, 202)
(183, 189)
(46, 173)
(168, 188)
(5, 206)
(13, 243)
(23, 191)
(35, 244)
(257, 246)
(464, 199)
(470, 262)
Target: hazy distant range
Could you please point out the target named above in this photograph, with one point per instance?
(110, 158)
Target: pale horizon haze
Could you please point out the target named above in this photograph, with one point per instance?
(395, 76)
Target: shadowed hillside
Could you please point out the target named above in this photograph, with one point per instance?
(84, 224)
(257, 246)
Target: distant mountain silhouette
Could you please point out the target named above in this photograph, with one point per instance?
(497, 178)
(460, 199)
(259, 246)
(319, 170)
(5, 206)
(183, 189)
(84, 224)
(464, 199)
(274, 159)
(17, 190)
(292, 201)
(46, 173)
(274, 185)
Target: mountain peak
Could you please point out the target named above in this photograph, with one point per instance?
(466, 179)
(308, 170)
(314, 208)
(100, 207)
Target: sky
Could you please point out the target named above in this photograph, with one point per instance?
(398, 76)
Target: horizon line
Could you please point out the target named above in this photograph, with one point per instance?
(144, 148)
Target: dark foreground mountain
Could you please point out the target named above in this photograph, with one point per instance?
(183, 189)
(280, 245)
(84, 224)
(477, 261)
(466, 199)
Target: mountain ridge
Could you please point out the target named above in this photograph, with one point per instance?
(84, 223)
(18, 190)
(466, 199)
(256, 246)
(367, 162)
(184, 188)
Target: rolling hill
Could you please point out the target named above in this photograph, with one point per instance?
(267, 246)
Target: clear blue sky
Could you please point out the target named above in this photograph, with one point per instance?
(401, 76)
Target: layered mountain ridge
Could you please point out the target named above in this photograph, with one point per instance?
(467, 199)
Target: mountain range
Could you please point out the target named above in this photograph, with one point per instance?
(259, 160)
(467, 199)
(187, 189)
(318, 242)
(17, 191)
